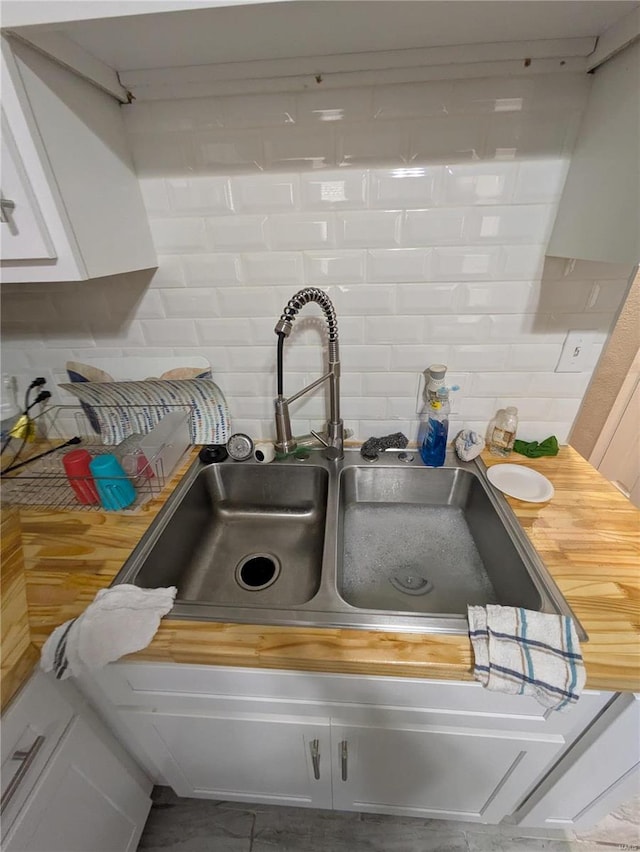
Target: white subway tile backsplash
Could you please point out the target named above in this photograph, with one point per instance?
(360, 407)
(525, 135)
(521, 262)
(417, 358)
(500, 384)
(409, 186)
(333, 190)
(368, 228)
(540, 180)
(479, 357)
(336, 267)
(453, 139)
(302, 231)
(357, 145)
(300, 147)
(258, 110)
(169, 332)
(250, 358)
(169, 272)
(563, 409)
(412, 99)
(238, 233)
(563, 385)
(537, 408)
(404, 264)
(334, 106)
(464, 328)
(534, 356)
(433, 227)
(365, 358)
(423, 209)
(390, 329)
(273, 268)
(162, 155)
(224, 332)
(363, 300)
(211, 270)
(206, 196)
(389, 384)
(225, 151)
(150, 305)
(607, 295)
(472, 408)
(508, 297)
(478, 183)
(491, 95)
(179, 236)
(377, 427)
(247, 301)
(466, 263)
(265, 193)
(528, 223)
(531, 430)
(155, 196)
(425, 299)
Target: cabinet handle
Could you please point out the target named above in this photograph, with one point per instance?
(6, 205)
(26, 757)
(314, 747)
(344, 758)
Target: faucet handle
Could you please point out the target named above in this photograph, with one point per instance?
(320, 437)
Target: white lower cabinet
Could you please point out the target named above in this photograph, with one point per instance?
(383, 745)
(67, 785)
(246, 757)
(446, 773)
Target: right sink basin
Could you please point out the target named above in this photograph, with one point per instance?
(425, 541)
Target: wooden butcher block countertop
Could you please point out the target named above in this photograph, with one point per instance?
(588, 536)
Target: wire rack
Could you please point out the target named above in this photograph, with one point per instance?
(157, 436)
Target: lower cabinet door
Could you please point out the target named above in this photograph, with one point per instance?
(84, 801)
(247, 757)
(447, 773)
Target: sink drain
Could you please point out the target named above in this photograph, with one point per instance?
(411, 584)
(257, 571)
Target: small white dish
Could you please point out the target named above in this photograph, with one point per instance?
(521, 482)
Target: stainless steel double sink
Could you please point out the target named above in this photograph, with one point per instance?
(391, 545)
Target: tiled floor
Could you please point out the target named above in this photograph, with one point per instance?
(199, 825)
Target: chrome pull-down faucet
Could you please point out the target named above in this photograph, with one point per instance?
(333, 438)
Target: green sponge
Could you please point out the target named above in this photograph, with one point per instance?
(534, 450)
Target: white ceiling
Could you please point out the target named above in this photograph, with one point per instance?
(296, 29)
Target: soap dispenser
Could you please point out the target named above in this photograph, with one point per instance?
(434, 418)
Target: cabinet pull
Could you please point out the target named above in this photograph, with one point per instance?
(344, 758)
(26, 757)
(6, 205)
(314, 746)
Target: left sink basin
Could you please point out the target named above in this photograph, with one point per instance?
(243, 535)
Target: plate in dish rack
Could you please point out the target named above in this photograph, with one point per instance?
(521, 482)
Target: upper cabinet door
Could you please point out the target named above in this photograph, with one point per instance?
(23, 232)
(599, 213)
(66, 159)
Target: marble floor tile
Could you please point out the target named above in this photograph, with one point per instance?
(195, 825)
(621, 827)
(201, 825)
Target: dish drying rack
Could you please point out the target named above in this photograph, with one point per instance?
(159, 434)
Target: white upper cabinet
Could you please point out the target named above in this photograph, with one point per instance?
(599, 213)
(72, 208)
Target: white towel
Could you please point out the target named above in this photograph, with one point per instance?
(527, 653)
(119, 621)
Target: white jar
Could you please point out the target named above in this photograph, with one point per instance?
(504, 431)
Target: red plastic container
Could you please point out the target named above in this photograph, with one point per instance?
(76, 465)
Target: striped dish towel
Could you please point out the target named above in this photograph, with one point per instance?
(527, 653)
